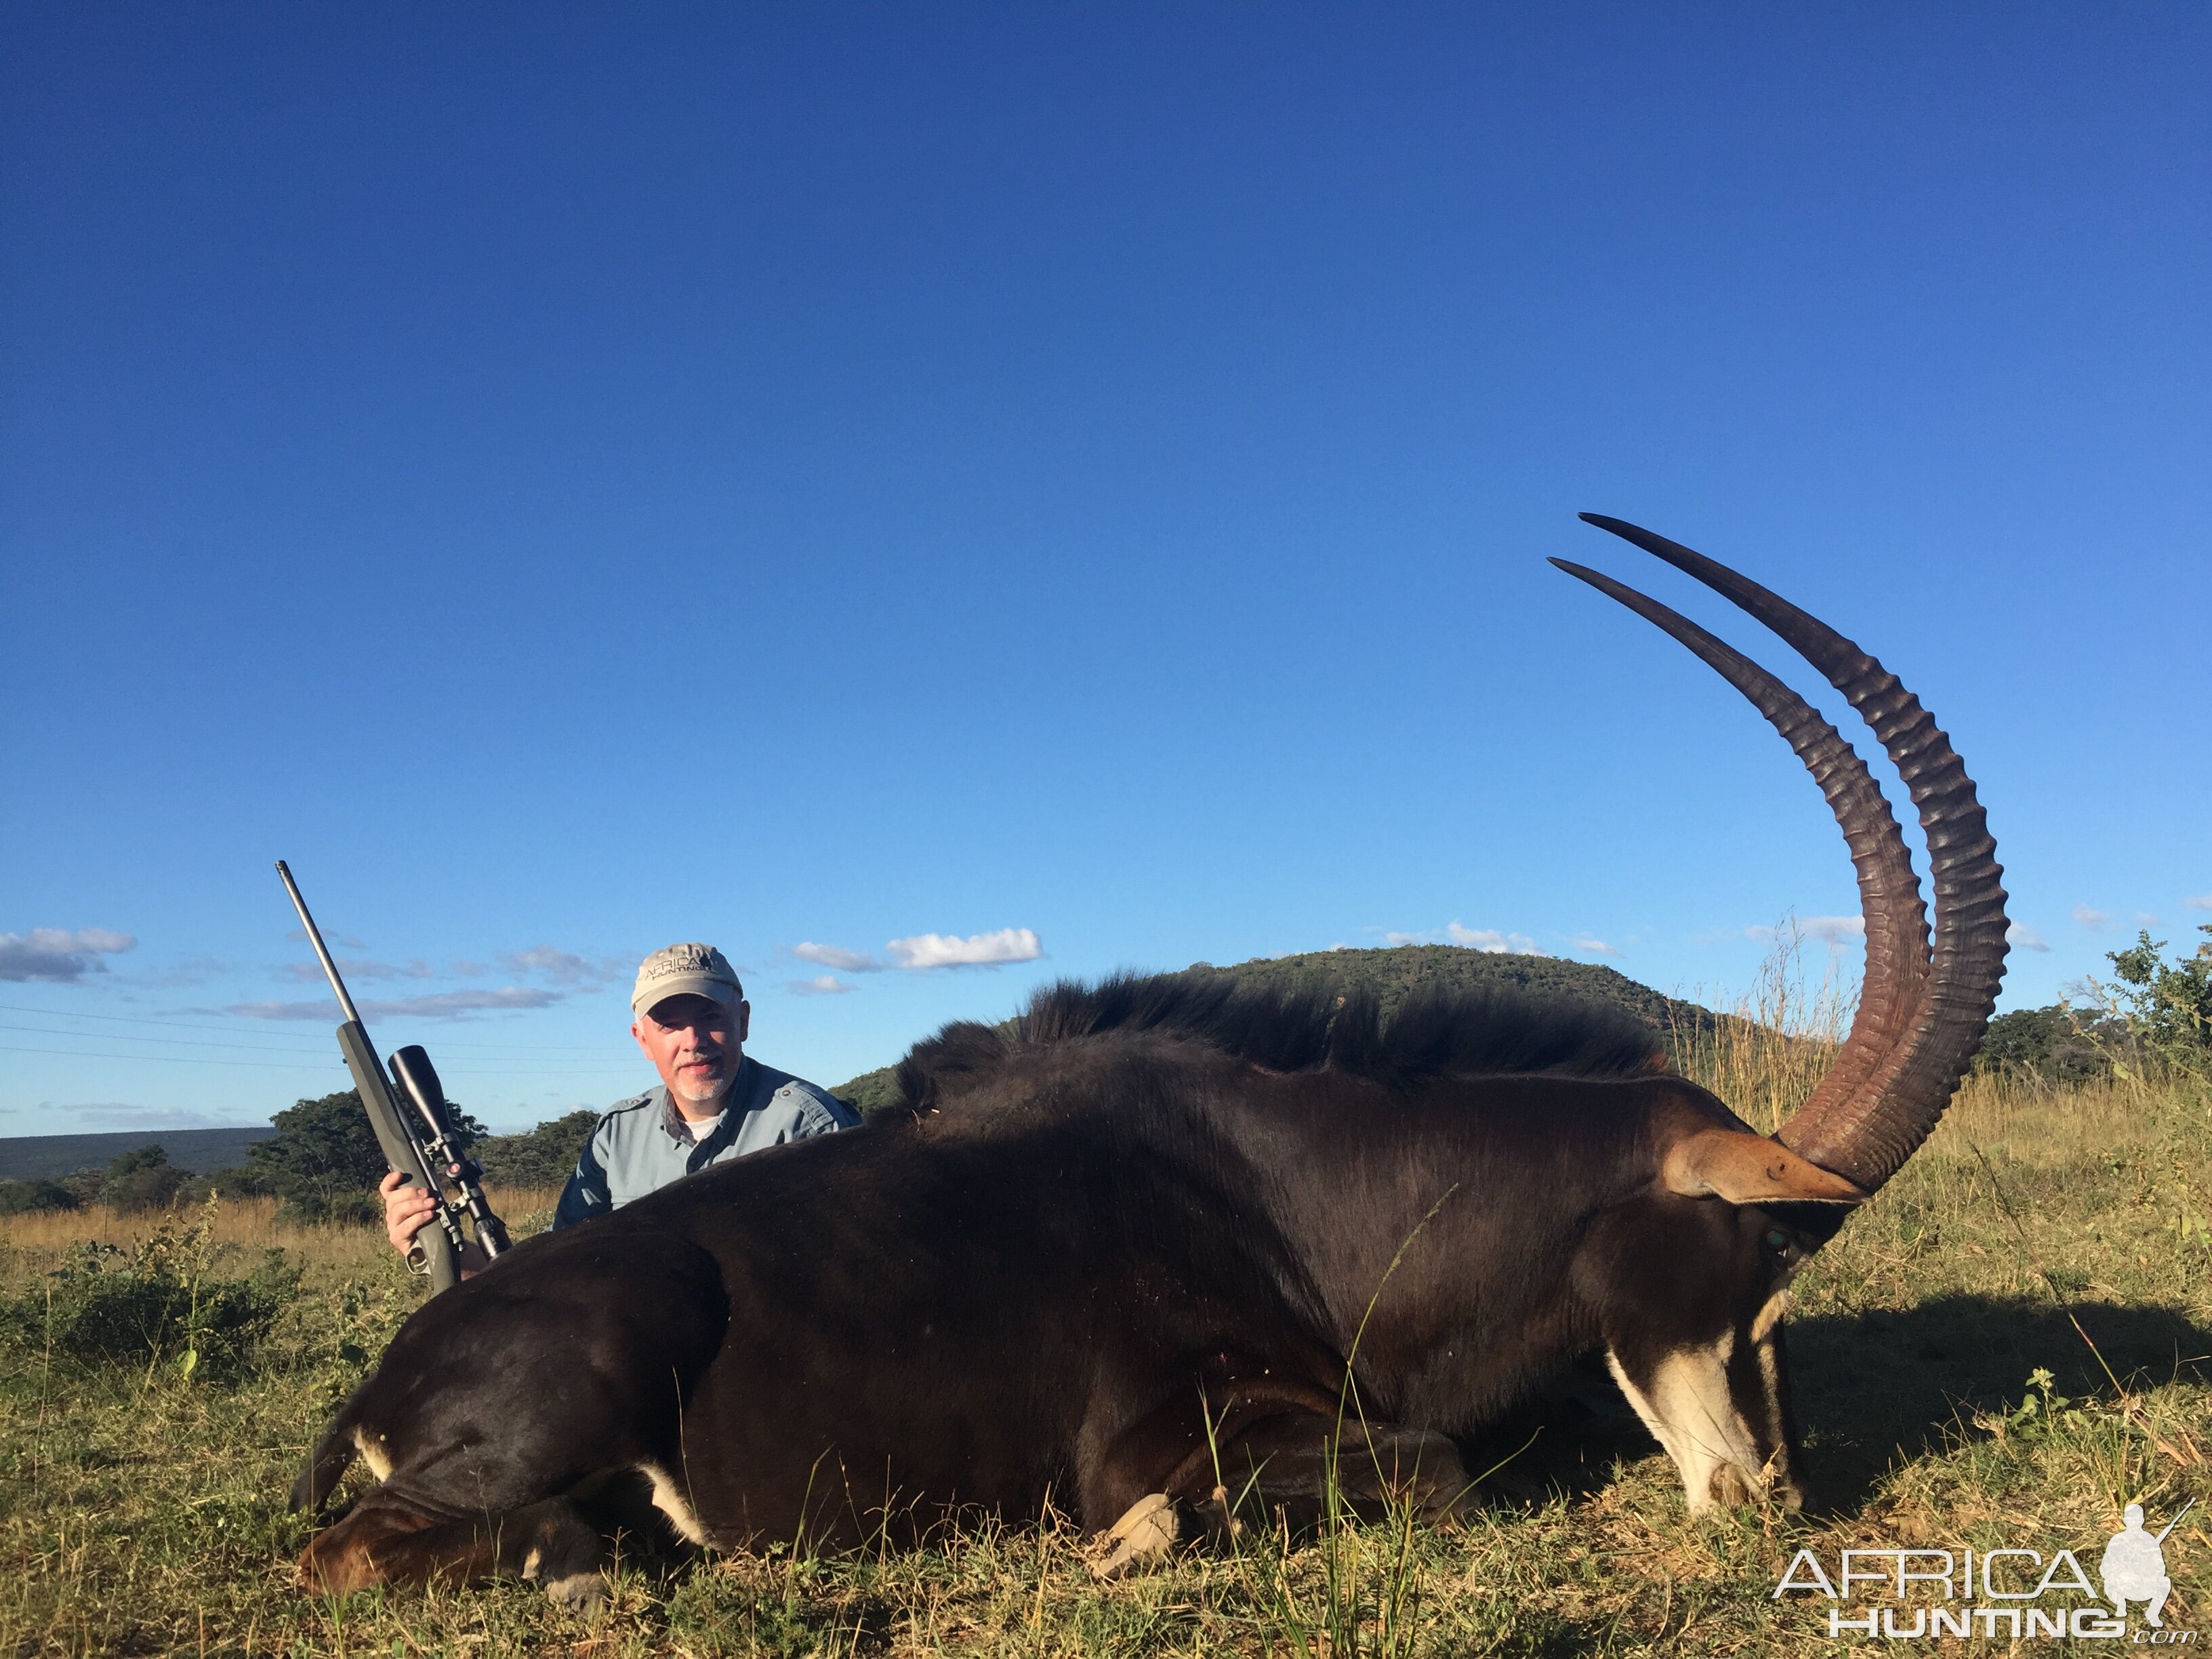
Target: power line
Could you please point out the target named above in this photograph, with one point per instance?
(126, 1036)
(302, 1065)
(135, 1019)
(201, 1042)
(166, 1060)
(188, 1025)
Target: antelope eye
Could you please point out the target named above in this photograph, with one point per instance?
(1778, 1241)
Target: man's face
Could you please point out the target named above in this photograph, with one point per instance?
(695, 1043)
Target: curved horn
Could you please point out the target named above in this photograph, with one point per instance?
(1889, 893)
(1917, 1024)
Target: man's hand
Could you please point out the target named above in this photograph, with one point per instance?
(407, 1210)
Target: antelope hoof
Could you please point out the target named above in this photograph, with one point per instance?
(579, 1592)
(1146, 1532)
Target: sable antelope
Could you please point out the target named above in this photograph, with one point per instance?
(1123, 1248)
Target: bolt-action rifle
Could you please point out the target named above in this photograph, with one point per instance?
(422, 1148)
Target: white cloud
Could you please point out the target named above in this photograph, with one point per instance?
(837, 956)
(1490, 940)
(191, 971)
(560, 967)
(920, 953)
(2024, 936)
(1469, 939)
(444, 1005)
(1833, 930)
(1595, 946)
(2090, 916)
(58, 955)
(826, 985)
(2200, 902)
(354, 968)
(925, 951)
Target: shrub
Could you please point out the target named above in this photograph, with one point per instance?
(543, 1157)
(2168, 1004)
(2057, 1044)
(160, 1304)
(141, 1180)
(324, 1160)
(28, 1197)
(245, 1182)
(144, 1179)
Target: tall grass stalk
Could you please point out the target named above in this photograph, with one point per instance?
(1769, 1048)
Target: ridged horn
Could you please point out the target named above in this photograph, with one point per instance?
(1919, 1020)
(1889, 893)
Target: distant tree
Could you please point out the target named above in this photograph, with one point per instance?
(324, 1160)
(142, 1179)
(37, 1194)
(239, 1181)
(83, 1185)
(2168, 1004)
(543, 1157)
(2057, 1044)
(870, 1092)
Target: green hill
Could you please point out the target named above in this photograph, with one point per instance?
(24, 1158)
(1389, 974)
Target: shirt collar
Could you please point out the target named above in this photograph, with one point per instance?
(735, 1105)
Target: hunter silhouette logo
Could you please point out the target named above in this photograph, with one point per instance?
(2134, 1567)
(2016, 1593)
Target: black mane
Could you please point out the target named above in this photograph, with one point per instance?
(1487, 1032)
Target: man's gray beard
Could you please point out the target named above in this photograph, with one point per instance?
(696, 1094)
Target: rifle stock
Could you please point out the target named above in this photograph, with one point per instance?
(433, 1251)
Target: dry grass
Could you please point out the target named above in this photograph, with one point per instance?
(2038, 1232)
(37, 1241)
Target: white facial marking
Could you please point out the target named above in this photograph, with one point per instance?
(1770, 1377)
(373, 1452)
(1763, 1324)
(670, 1500)
(1690, 1413)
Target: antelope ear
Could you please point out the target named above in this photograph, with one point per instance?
(1748, 1168)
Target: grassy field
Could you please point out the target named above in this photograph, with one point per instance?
(2004, 1349)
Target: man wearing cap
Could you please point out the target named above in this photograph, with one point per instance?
(714, 1102)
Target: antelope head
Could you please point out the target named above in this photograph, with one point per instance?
(1697, 1269)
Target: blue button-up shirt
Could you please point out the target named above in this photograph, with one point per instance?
(643, 1143)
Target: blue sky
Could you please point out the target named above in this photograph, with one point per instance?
(569, 478)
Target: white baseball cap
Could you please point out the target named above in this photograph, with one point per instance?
(682, 970)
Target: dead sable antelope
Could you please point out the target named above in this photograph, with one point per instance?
(1161, 1207)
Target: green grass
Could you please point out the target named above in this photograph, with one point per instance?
(142, 1510)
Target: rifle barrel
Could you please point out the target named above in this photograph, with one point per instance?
(2176, 1522)
(315, 939)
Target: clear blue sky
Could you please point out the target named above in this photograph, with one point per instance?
(570, 478)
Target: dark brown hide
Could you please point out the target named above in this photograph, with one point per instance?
(1042, 1286)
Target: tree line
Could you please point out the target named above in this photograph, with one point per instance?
(324, 1162)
